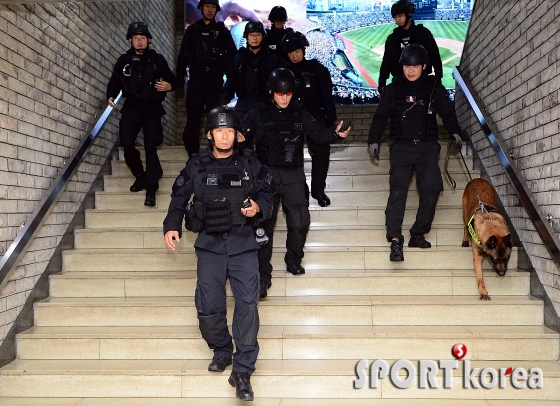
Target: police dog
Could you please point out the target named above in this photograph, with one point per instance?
(487, 229)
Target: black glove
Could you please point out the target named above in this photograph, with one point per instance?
(374, 150)
(456, 140)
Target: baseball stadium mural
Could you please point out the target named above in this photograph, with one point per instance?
(348, 36)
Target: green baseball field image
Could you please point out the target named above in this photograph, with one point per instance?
(365, 47)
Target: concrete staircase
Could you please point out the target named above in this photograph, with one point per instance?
(120, 327)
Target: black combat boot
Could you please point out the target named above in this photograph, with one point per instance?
(219, 364)
(265, 285)
(150, 199)
(396, 251)
(322, 199)
(139, 184)
(295, 269)
(242, 383)
(418, 240)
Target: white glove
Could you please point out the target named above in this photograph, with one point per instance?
(374, 150)
(456, 140)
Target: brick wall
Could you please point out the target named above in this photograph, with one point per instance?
(55, 62)
(511, 57)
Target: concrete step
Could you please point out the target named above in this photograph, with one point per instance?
(232, 401)
(286, 311)
(525, 343)
(363, 165)
(335, 182)
(319, 236)
(315, 282)
(267, 402)
(339, 150)
(138, 215)
(340, 258)
(313, 379)
(339, 199)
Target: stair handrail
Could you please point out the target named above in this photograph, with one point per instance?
(26, 234)
(543, 228)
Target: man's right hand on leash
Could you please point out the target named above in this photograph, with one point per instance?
(456, 140)
(374, 150)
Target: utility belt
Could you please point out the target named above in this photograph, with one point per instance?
(412, 142)
(205, 69)
(145, 92)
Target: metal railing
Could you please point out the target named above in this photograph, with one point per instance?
(536, 216)
(26, 235)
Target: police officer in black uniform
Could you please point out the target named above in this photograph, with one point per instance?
(231, 189)
(314, 92)
(249, 71)
(278, 17)
(411, 101)
(278, 128)
(144, 78)
(206, 49)
(407, 33)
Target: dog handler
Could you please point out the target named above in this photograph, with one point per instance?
(412, 101)
(230, 190)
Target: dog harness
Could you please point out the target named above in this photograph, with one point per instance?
(470, 223)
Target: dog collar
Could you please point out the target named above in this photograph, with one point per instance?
(470, 227)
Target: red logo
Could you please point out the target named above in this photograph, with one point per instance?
(459, 351)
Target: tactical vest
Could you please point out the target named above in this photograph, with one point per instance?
(139, 77)
(208, 55)
(252, 73)
(224, 189)
(414, 111)
(307, 87)
(282, 140)
(274, 37)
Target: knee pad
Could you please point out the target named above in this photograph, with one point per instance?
(248, 325)
(303, 229)
(213, 328)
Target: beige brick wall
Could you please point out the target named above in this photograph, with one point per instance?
(55, 62)
(511, 57)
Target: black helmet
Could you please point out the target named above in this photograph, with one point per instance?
(414, 54)
(254, 26)
(222, 117)
(138, 28)
(292, 41)
(402, 7)
(281, 80)
(278, 13)
(214, 2)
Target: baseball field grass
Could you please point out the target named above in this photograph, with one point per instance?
(369, 42)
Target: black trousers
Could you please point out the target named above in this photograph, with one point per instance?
(320, 157)
(407, 158)
(201, 92)
(210, 299)
(129, 126)
(295, 204)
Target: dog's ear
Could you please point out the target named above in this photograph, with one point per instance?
(492, 242)
(507, 241)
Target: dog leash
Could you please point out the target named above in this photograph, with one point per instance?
(482, 206)
(446, 164)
